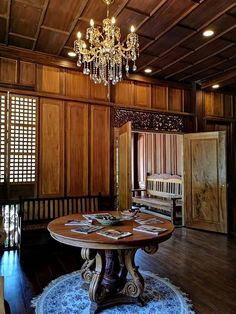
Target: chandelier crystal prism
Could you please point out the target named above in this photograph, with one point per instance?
(104, 57)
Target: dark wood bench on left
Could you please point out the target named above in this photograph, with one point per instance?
(36, 213)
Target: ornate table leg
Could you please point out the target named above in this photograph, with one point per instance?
(133, 288)
(92, 272)
(87, 268)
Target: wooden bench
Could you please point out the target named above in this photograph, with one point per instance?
(35, 214)
(163, 195)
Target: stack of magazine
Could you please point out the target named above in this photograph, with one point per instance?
(150, 229)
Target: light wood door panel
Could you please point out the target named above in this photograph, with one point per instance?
(76, 149)
(124, 161)
(205, 181)
(51, 158)
(100, 150)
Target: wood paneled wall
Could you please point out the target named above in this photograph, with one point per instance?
(75, 127)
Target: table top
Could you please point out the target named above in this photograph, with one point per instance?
(62, 233)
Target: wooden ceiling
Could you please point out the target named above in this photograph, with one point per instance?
(170, 33)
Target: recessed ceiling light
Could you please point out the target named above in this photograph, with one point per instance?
(215, 86)
(208, 33)
(71, 54)
(148, 70)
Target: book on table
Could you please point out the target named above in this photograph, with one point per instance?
(86, 229)
(77, 222)
(114, 234)
(148, 221)
(150, 229)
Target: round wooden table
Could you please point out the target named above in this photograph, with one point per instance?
(109, 261)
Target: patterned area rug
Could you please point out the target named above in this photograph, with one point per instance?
(66, 295)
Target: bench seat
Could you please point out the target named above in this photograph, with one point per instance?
(163, 192)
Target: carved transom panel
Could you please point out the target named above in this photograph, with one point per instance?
(150, 121)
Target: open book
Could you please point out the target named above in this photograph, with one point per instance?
(114, 234)
(86, 229)
(150, 229)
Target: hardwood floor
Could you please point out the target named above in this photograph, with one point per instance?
(203, 264)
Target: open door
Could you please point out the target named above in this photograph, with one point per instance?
(124, 162)
(205, 186)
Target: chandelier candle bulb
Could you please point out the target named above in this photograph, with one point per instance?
(106, 55)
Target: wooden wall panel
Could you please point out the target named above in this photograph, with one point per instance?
(76, 149)
(175, 99)
(8, 70)
(228, 106)
(142, 95)
(77, 84)
(209, 104)
(98, 91)
(187, 101)
(123, 93)
(51, 157)
(218, 105)
(50, 79)
(27, 73)
(100, 150)
(159, 97)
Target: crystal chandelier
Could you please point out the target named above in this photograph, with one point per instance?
(105, 56)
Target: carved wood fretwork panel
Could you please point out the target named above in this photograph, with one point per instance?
(142, 120)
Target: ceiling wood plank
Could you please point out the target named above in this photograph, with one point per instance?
(201, 46)
(201, 60)
(205, 25)
(54, 30)
(206, 68)
(221, 77)
(46, 3)
(73, 25)
(8, 21)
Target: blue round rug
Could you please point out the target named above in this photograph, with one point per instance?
(66, 295)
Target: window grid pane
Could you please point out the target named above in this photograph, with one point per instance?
(23, 123)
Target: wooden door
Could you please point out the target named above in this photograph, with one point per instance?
(205, 181)
(124, 162)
